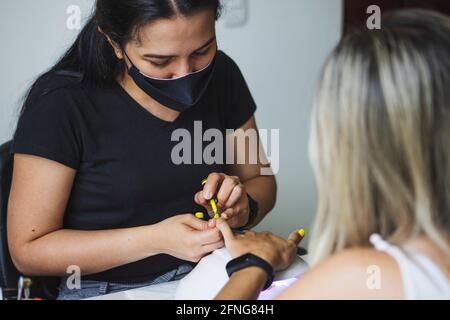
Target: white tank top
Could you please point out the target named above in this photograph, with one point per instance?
(422, 279)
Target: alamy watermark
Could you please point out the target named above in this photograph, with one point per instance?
(374, 20)
(73, 21)
(73, 281)
(374, 279)
(232, 147)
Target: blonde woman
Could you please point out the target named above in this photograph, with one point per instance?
(380, 148)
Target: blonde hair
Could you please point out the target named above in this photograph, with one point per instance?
(380, 142)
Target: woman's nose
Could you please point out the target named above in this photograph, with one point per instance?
(183, 69)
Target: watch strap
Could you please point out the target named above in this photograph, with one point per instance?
(251, 260)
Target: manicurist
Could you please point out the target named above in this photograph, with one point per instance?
(95, 185)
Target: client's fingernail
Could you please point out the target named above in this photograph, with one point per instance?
(200, 215)
(301, 232)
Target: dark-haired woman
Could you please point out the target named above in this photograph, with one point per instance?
(95, 188)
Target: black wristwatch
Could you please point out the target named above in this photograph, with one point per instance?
(253, 213)
(250, 260)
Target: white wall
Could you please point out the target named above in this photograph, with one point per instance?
(280, 50)
(34, 35)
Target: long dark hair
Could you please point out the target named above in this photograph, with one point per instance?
(92, 59)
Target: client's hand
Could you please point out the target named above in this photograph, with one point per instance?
(276, 251)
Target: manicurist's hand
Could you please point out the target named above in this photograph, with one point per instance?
(275, 250)
(188, 238)
(231, 195)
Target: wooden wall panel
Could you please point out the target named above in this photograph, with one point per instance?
(356, 16)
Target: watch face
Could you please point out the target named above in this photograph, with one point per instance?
(250, 259)
(253, 207)
(246, 261)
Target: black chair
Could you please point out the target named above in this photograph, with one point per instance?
(42, 287)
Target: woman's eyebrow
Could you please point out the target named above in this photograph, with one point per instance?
(159, 56)
(206, 44)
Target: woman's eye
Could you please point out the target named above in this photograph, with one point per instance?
(160, 64)
(201, 53)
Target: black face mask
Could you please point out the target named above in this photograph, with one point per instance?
(178, 94)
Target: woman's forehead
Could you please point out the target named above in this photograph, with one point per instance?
(177, 34)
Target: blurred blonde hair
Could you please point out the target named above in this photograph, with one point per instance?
(380, 142)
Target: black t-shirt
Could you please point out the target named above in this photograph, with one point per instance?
(122, 153)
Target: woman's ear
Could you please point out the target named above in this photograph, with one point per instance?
(116, 48)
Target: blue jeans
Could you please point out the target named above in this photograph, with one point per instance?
(90, 289)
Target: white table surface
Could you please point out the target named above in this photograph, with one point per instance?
(167, 291)
(163, 291)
